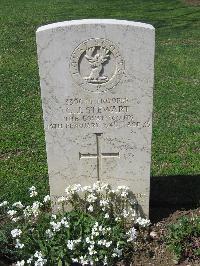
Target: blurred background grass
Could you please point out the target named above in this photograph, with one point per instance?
(176, 131)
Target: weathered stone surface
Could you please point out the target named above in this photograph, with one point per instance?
(96, 85)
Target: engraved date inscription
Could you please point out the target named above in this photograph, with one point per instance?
(98, 113)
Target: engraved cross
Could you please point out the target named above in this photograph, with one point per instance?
(99, 155)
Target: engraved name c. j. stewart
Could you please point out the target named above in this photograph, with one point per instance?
(93, 113)
(98, 155)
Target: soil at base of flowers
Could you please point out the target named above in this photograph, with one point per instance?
(154, 252)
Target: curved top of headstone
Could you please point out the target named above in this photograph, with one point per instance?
(94, 21)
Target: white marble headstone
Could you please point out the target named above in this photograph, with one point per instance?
(96, 81)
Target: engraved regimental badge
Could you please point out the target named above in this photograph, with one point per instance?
(96, 65)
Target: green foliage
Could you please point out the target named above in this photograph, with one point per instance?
(6, 244)
(184, 238)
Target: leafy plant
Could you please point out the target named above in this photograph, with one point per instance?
(184, 237)
(93, 225)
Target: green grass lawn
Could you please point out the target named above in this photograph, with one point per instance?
(176, 96)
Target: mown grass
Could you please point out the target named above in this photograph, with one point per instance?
(176, 96)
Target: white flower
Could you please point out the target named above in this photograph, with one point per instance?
(124, 194)
(96, 225)
(49, 233)
(77, 240)
(38, 254)
(33, 194)
(35, 208)
(87, 188)
(33, 188)
(33, 191)
(106, 216)
(90, 208)
(47, 198)
(108, 244)
(76, 188)
(117, 219)
(143, 222)
(122, 188)
(133, 214)
(105, 260)
(112, 191)
(20, 263)
(27, 212)
(87, 240)
(40, 262)
(74, 260)
(11, 212)
(91, 250)
(4, 203)
(91, 198)
(15, 219)
(61, 199)
(53, 216)
(32, 210)
(83, 260)
(40, 259)
(18, 244)
(104, 186)
(104, 203)
(65, 222)
(125, 213)
(70, 244)
(71, 190)
(29, 260)
(100, 242)
(95, 233)
(18, 205)
(104, 243)
(117, 252)
(56, 226)
(132, 233)
(16, 232)
(96, 186)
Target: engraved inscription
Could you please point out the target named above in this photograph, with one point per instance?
(113, 112)
(99, 155)
(96, 65)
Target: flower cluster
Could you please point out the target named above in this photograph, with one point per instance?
(56, 226)
(4, 203)
(37, 259)
(33, 191)
(16, 232)
(100, 198)
(33, 210)
(132, 233)
(95, 242)
(94, 225)
(143, 222)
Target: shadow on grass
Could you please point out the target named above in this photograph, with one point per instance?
(171, 193)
